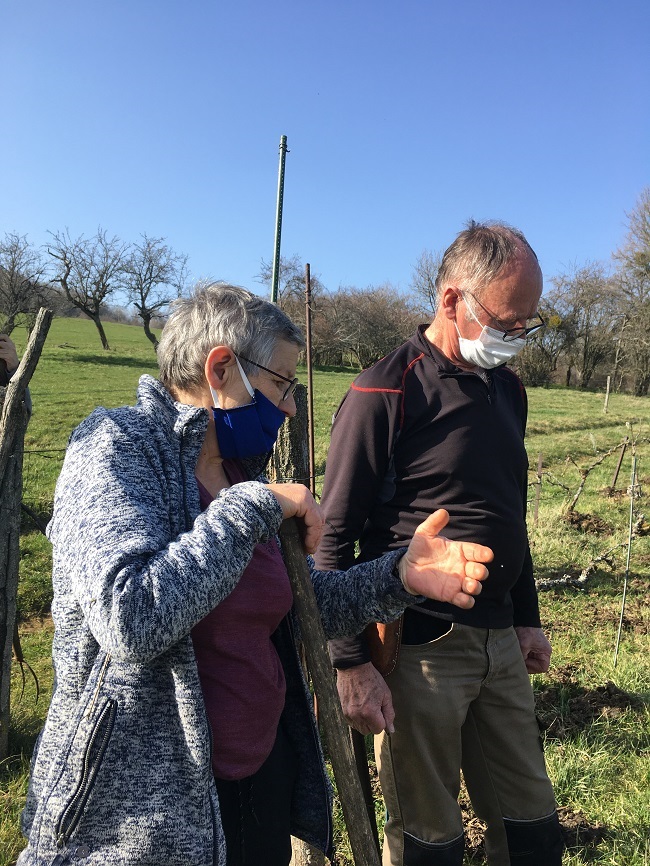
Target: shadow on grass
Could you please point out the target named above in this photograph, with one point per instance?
(566, 709)
(111, 360)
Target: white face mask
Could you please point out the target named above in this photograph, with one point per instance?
(489, 349)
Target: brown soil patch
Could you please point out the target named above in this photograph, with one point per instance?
(566, 708)
(34, 624)
(588, 523)
(597, 612)
(579, 833)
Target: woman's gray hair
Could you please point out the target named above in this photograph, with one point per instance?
(479, 254)
(219, 314)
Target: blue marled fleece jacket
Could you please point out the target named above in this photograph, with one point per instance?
(122, 771)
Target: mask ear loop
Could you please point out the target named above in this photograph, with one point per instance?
(244, 377)
(247, 384)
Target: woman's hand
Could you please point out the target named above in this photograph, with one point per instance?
(8, 353)
(296, 501)
(441, 569)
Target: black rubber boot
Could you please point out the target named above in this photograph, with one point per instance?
(420, 853)
(535, 843)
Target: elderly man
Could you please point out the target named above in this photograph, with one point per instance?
(439, 423)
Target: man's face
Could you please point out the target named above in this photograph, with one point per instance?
(510, 300)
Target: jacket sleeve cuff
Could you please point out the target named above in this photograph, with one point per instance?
(349, 652)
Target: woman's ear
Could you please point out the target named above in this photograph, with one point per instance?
(219, 359)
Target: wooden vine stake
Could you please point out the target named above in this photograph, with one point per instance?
(13, 423)
(330, 715)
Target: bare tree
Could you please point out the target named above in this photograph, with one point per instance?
(22, 280)
(538, 362)
(423, 281)
(374, 321)
(153, 275)
(291, 288)
(89, 271)
(633, 284)
(585, 301)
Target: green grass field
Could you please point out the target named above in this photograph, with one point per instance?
(596, 719)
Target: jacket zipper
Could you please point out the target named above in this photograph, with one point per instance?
(101, 734)
(100, 680)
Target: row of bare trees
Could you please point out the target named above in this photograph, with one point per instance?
(356, 326)
(598, 316)
(86, 274)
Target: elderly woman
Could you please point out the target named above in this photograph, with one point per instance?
(180, 731)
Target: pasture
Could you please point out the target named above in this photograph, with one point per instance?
(595, 716)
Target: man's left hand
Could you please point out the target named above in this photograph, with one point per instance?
(535, 648)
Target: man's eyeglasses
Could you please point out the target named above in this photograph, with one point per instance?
(293, 383)
(509, 334)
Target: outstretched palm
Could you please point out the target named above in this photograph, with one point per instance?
(441, 569)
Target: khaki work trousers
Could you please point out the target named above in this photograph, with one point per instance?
(462, 700)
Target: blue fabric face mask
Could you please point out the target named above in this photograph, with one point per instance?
(250, 430)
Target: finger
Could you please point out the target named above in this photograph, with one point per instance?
(477, 552)
(476, 571)
(434, 523)
(471, 586)
(389, 717)
(461, 599)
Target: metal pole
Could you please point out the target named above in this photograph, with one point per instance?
(627, 564)
(310, 382)
(278, 221)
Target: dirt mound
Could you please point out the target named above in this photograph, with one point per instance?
(566, 708)
(579, 833)
(588, 523)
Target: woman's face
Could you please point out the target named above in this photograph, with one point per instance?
(283, 364)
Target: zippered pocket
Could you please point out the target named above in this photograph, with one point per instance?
(92, 761)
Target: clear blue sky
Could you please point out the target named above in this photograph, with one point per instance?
(403, 120)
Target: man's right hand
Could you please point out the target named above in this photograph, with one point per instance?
(366, 699)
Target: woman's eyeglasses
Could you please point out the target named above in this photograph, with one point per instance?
(293, 383)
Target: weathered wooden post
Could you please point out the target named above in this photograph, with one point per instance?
(290, 462)
(13, 423)
(609, 381)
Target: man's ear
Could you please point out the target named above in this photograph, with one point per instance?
(219, 359)
(447, 302)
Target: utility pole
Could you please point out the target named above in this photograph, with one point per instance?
(278, 221)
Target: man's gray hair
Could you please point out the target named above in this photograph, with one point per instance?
(219, 314)
(479, 254)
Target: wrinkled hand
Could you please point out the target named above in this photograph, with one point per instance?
(445, 570)
(535, 648)
(366, 699)
(297, 501)
(8, 353)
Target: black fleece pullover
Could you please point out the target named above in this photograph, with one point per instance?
(415, 433)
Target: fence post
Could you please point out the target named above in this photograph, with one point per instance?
(609, 381)
(13, 423)
(538, 487)
(290, 462)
